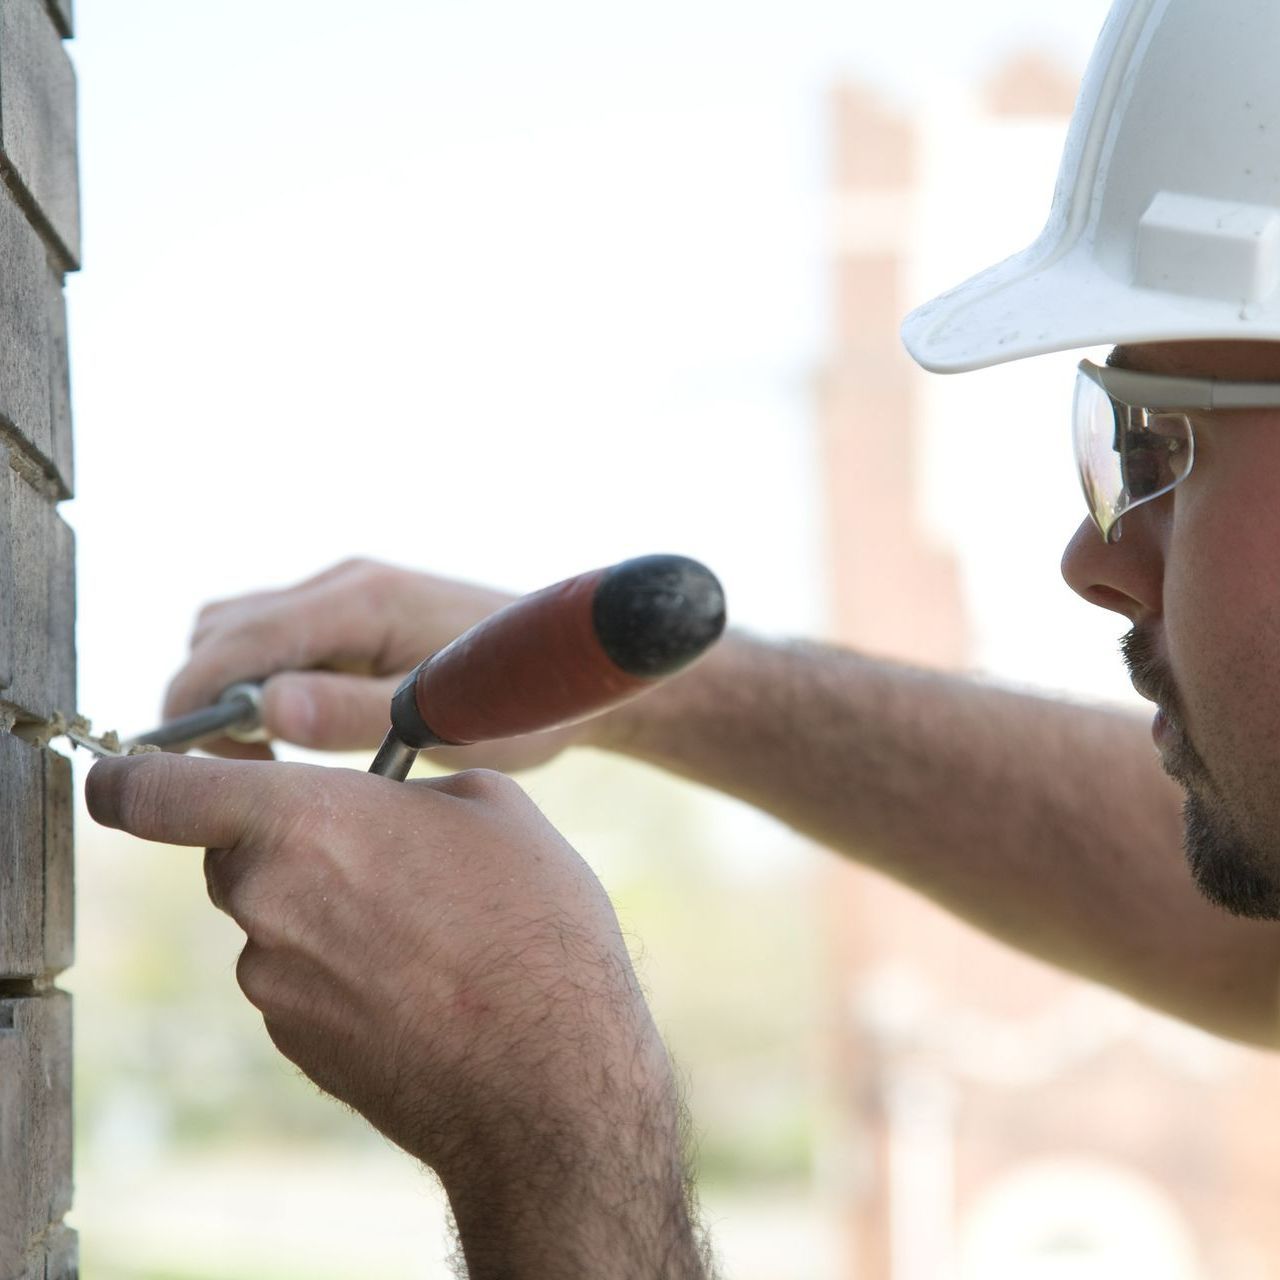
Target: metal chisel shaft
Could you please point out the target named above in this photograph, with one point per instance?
(238, 710)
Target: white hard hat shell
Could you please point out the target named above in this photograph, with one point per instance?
(1166, 221)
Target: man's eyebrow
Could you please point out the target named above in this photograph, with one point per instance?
(1117, 359)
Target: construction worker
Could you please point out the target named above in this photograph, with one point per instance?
(434, 953)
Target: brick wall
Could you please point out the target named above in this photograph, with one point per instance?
(39, 243)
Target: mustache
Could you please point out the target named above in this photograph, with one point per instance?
(1150, 676)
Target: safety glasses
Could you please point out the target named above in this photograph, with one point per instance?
(1133, 436)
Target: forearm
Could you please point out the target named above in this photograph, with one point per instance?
(589, 1221)
(598, 1196)
(1046, 824)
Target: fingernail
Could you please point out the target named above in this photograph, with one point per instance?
(101, 791)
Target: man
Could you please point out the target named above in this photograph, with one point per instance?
(435, 955)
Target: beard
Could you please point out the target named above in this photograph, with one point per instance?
(1230, 870)
(1226, 867)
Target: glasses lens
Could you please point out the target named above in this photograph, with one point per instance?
(1096, 437)
(1127, 455)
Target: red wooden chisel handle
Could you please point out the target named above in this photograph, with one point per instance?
(557, 656)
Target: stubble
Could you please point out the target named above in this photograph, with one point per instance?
(1228, 868)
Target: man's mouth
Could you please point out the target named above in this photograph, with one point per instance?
(1178, 758)
(1151, 680)
(1163, 725)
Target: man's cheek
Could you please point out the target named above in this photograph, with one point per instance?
(1225, 657)
(1199, 650)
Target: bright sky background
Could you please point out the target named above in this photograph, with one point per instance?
(510, 290)
(500, 289)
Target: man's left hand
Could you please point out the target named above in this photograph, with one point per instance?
(435, 954)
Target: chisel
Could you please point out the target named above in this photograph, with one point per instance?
(237, 714)
(558, 656)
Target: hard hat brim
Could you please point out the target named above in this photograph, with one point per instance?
(1027, 306)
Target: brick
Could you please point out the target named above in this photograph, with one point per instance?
(60, 576)
(63, 15)
(6, 579)
(56, 1257)
(21, 859)
(24, 328)
(37, 585)
(61, 1255)
(59, 452)
(38, 122)
(35, 380)
(37, 917)
(31, 1267)
(35, 1125)
(59, 925)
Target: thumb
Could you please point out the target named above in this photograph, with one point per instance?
(328, 710)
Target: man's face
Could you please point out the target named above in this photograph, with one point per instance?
(1197, 574)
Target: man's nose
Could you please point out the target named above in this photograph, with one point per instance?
(1126, 576)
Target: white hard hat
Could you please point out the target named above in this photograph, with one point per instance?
(1166, 220)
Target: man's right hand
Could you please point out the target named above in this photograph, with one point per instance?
(332, 650)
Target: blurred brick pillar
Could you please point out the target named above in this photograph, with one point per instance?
(893, 593)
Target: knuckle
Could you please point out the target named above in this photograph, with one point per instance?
(207, 612)
(214, 876)
(378, 583)
(252, 906)
(253, 975)
(230, 878)
(361, 568)
(485, 785)
(211, 620)
(225, 882)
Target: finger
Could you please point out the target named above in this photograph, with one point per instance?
(248, 647)
(325, 624)
(234, 879)
(327, 710)
(218, 614)
(210, 803)
(230, 612)
(214, 860)
(484, 785)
